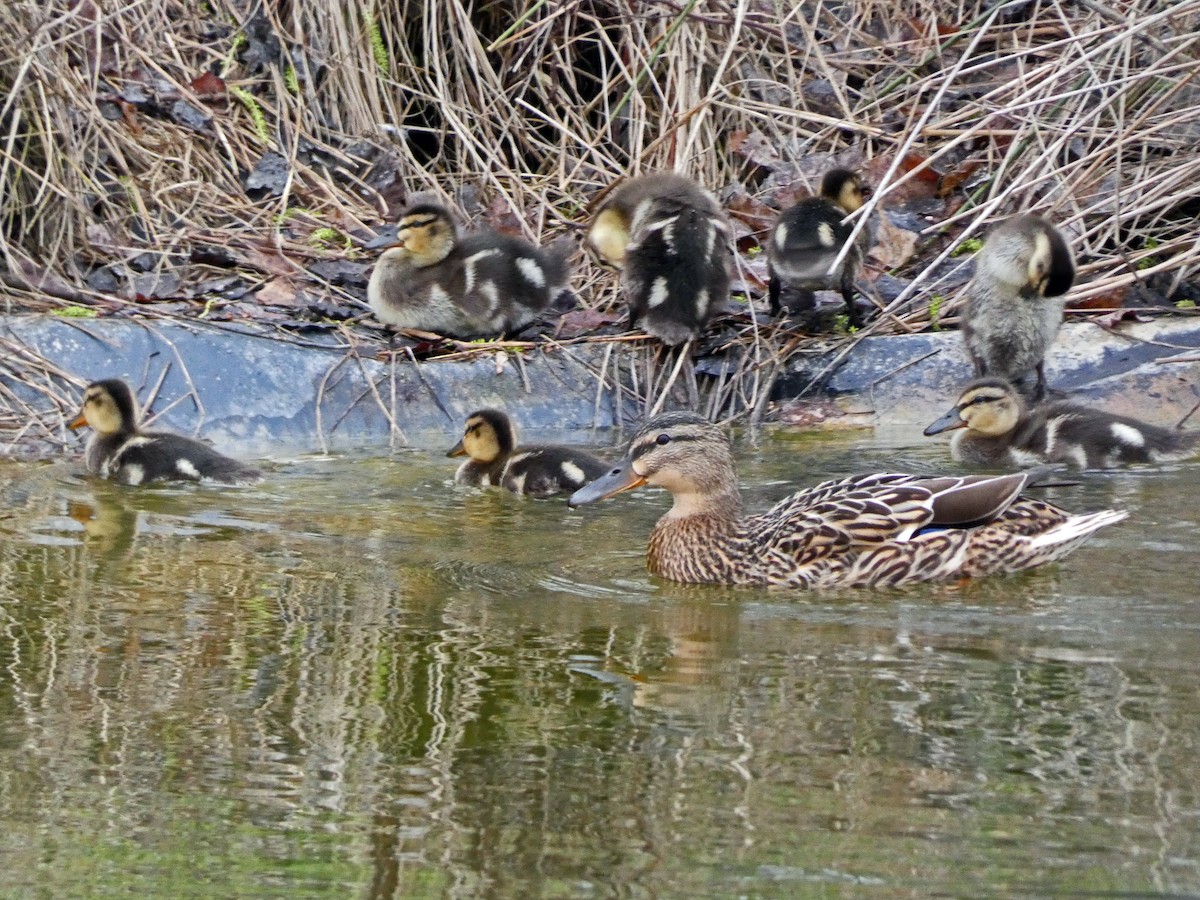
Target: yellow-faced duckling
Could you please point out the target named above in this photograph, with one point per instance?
(866, 530)
(490, 441)
(807, 240)
(993, 426)
(122, 452)
(478, 285)
(1015, 300)
(671, 242)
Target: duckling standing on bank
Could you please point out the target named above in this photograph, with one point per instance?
(121, 451)
(994, 427)
(480, 285)
(862, 531)
(807, 240)
(671, 242)
(1015, 301)
(490, 440)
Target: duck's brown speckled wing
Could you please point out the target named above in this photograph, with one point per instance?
(893, 529)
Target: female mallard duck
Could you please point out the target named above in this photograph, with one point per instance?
(490, 441)
(996, 428)
(671, 242)
(483, 284)
(121, 451)
(867, 530)
(1015, 300)
(808, 238)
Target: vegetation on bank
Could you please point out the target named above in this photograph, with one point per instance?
(225, 160)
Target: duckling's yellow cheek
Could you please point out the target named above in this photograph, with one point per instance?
(609, 237)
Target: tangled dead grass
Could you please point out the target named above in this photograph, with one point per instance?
(163, 144)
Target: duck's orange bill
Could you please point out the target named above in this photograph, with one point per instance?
(78, 422)
(621, 478)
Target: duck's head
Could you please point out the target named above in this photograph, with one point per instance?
(1030, 254)
(108, 408)
(988, 406)
(425, 235)
(845, 189)
(488, 435)
(680, 451)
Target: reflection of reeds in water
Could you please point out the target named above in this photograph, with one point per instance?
(338, 682)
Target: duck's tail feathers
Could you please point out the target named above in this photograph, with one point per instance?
(1065, 537)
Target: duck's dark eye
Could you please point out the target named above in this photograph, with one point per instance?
(662, 439)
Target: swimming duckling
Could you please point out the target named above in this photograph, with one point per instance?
(121, 451)
(1015, 301)
(490, 440)
(808, 238)
(862, 531)
(481, 284)
(996, 428)
(670, 239)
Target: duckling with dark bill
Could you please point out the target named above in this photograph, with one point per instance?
(479, 285)
(540, 470)
(1015, 300)
(993, 426)
(807, 240)
(672, 244)
(885, 529)
(121, 451)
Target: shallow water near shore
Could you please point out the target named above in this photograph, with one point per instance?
(358, 680)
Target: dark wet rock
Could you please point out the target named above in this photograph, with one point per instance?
(152, 286)
(269, 176)
(214, 255)
(144, 262)
(106, 280)
(341, 271)
(184, 113)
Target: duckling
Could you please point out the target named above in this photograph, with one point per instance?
(861, 531)
(490, 441)
(481, 284)
(1015, 300)
(808, 238)
(672, 244)
(998, 429)
(124, 453)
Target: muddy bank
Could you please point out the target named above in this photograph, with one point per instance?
(254, 394)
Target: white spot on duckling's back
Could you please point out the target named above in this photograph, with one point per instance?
(186, 468)
(825, 235)
(573, 473)
(781, 235)
(659, 292)
(518, 483)
(492, 293)
(133, 474)
(1128, 435)
(531, 271)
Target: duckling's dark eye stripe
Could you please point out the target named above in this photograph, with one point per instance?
(418, 223)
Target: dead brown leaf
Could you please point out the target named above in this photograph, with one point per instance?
(277, 292)
(894, 246)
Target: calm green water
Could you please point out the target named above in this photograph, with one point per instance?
(359, 681)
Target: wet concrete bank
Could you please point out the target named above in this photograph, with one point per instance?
(253, 393)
